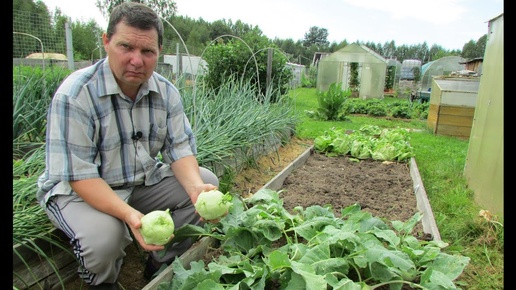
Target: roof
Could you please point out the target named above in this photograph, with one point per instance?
(355, 53)
(476, 59)
(47, 55)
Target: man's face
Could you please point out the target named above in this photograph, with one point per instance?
(133, 55)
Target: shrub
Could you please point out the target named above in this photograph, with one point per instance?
(331, 104)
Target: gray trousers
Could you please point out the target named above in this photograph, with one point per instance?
(99, 239)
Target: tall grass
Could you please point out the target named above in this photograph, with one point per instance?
(32, 93)
(232, 123)
(31, 226)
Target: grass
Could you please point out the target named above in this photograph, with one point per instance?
(440, 161)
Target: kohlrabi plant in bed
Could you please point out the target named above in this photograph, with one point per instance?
(264, 246)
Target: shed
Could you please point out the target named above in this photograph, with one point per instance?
(335, 68)
(474, 64)
(452, 105)
(484, 168)
(440, 67)
(186, 64)
(298, 71)
(318, 56)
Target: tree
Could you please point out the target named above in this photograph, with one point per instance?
(218, 28)
(164, 8)
(199, 33)
(288, 46)
(334, 46)
(86, 40)
(474, 49)
(389, 49)
(234, 59)
(316, 37)
(240, 28)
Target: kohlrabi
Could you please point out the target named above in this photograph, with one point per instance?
(157, 227)
(213, 204)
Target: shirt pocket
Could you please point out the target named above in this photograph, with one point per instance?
(157, 138)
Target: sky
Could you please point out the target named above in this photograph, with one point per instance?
(447, 23)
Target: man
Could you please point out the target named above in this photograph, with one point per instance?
(118, 146)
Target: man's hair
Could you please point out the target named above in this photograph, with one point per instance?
(136, 15)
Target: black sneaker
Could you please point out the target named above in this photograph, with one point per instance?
(151, 268)
(105, 286)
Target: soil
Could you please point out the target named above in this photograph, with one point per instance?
(385, 189)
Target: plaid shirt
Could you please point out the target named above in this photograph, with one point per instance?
(91, 126)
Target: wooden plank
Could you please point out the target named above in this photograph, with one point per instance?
(433, 116)
(277, 182)
(459, 98)
(451, 120)
(457, 110)
(27, 252)
(423, 205)
(44, 271)
(195, 253)
(447, 130)
(66, 274)
(455, 120)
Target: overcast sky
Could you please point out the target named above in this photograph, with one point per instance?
(448, 23)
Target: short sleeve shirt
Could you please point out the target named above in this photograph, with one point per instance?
(95, 131)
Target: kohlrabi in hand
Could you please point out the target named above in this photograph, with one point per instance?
(213, 204)
(157, 227)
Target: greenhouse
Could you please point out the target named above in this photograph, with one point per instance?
(336, 68)
(441, 67)
(395, 66)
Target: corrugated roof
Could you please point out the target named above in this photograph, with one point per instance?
(355, 53)
(47, 55)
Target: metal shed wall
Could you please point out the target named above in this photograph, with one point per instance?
(484, 169)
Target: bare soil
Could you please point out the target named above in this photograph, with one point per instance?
(383, 188)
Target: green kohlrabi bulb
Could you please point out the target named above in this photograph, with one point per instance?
(157, 227)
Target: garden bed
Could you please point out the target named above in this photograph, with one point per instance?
(389, 190)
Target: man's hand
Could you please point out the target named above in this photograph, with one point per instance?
(199, 189)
